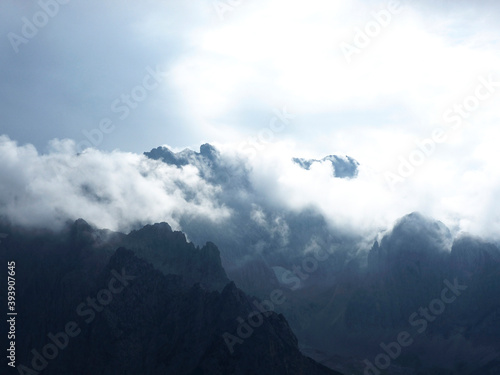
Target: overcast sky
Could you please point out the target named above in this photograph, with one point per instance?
(220, 71)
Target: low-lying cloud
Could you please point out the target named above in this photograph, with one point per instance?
(116, 190)
(121, 191)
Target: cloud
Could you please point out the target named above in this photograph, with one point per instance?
(115, 190)
(460, 189)
(225, 79)
(120, 190)
(227, 76)
(82, 60)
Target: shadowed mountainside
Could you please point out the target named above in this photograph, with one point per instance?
(345, 294)
(130, 317)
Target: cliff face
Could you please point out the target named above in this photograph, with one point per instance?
(170, 253)
(418, 281)
(85, 308)
(161, 325)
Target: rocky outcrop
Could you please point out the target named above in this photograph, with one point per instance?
(89, 309)
(343, 166)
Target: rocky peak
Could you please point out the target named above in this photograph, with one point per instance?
(343, 166)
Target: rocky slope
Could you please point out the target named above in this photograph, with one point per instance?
(86, 308)
(417, 280)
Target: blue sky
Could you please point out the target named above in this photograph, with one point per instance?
(224, 69)
(224, 77)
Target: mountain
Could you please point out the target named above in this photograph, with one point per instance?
(346, 295)
(209, 162)
(259, 234)
(343, 166)
(185, 157)
(410, 299)
(417, 280)
(86, 306)
(170, 252)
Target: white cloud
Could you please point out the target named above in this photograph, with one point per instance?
(114, 190)
(272, 53)
(226, 77)
(121, 190)
(459, 190)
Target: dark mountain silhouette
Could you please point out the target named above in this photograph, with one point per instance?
(86, 307)
(345, 305)
(401, 290)
(347, 298)
(170, 253)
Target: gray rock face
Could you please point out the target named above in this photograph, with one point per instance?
(401, 290)
(258, 235)
(172, 254)
(353, 300)
(208, 161)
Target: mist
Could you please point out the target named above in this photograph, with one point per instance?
(123, 191)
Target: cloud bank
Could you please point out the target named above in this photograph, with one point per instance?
(410, 105)
(122, 191)
(115, 190)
